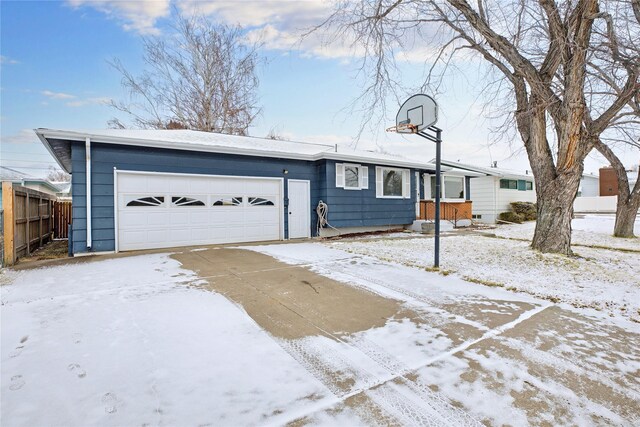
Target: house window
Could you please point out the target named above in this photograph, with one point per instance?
(352, 177)
(433, 187)
(452, 187)
(393, 183)
(186, 201)
(476, 216)
(146, 201)
(529, 186)
(509, 184)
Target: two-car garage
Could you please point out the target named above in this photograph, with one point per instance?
(160, 210)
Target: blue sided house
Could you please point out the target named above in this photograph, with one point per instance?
(144, 189)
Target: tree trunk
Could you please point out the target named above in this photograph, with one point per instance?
(555, 212)
(626, 212)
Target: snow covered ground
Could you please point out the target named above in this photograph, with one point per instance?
(606, 280)
(142, 340)
(128, 342)
(505, 358)
(588, 230)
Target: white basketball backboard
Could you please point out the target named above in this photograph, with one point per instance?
(419, 112)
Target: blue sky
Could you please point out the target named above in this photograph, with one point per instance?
(54, 73)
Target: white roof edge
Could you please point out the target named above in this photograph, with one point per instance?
(44, 141)
(44, 133)
(500, 173)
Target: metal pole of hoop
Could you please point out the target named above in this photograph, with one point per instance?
(418, 115)
(437, 138)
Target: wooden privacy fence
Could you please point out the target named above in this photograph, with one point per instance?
(61, 219)
(27, 222)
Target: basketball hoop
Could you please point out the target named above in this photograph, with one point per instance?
(403, 128)
(418, 115)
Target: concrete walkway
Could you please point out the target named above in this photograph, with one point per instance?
(398, 347)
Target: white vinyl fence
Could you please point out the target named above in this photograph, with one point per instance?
(604, 204)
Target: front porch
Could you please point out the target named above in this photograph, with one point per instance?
(450, 211)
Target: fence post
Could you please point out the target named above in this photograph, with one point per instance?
(40, 220)
(9, 223)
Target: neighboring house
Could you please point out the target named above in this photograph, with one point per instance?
(609, 180)
(494, 189)
(166, 188)
(20, 178)
(589, 186)
(64, 190)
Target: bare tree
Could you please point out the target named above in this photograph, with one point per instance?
(203, 77)
(538, 50)
(274, 133)
(56, 175)
(614, 58)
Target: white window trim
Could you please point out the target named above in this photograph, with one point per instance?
(406, 183)
(341, 176)
(442, 189)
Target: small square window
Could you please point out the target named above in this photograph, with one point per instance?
(392, 183)
(351, 176)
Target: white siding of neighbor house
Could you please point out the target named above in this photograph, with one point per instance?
(483, 192)
(589, 187)
(505, 197)
(489, 200)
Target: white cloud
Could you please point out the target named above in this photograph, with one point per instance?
(57, 95)
(288, 14)
(25, 136)
(102, 100)
(134, 15)
(7, 60)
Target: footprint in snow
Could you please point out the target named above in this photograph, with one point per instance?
(110, 400)
(17, 351)
(78, 370)
(77, 338)
(16, 382)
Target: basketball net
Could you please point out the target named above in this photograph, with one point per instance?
(403, 128)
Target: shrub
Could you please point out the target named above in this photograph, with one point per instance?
(526, 209)
(511, 217)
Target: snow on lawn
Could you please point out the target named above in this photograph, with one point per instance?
(602, 279)
(128, 342)
(588, 230)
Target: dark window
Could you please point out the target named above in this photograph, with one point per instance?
(509, 184)
(186, 201)
(147, 201)
(529, 186)
(228, 201)
(351, 176)
(433, 187)
(259, 201)
(391, 183)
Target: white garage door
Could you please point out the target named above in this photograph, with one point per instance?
(166, 210)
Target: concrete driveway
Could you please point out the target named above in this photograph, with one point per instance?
(357, 341)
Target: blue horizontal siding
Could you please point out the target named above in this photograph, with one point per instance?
(347, 208)
(105, 157)
(361, 208)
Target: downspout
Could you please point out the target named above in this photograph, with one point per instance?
(87, 149)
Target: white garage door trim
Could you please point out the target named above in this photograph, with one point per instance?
(117, 172)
